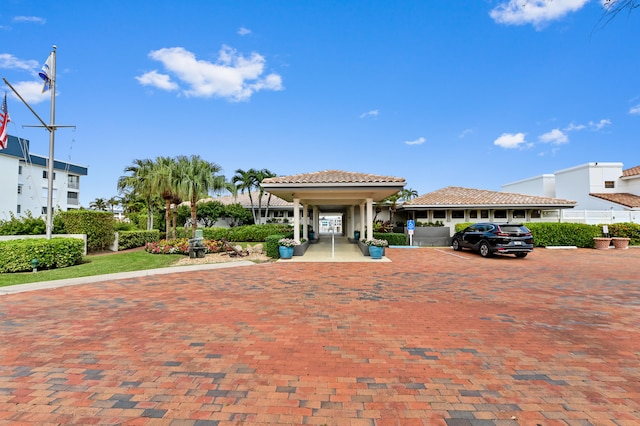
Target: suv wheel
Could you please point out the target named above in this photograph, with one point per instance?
(456, 244)
(484, 249)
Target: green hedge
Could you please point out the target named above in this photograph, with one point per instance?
(626, 230)
(99, 227)
(271, 245)
(558, 234)
(248, 233)
(394, 239)
(133, 239)
(54, 253)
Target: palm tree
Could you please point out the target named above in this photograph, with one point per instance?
(113, 202)
(260, 175)
(98, 204)
(246, 181)
(138, 185)
(197, 178)
(164, 181)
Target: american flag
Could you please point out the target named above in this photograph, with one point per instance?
(4, 121)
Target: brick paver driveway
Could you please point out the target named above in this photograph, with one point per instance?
(433, 338)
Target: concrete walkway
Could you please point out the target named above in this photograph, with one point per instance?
(334, 249)
(435, 337)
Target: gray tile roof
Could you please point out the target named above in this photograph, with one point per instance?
(454, 196)
(332, 177)
(624, 199)
(243, 199)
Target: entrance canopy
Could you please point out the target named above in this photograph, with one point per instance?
(333, 190)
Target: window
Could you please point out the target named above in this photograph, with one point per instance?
(519, 214)
(19, 209)
(500, 214)
(44, 210)
(457, 214)
(19, 170)
(484, 214)
(45, 175)
(535, 214)
(72, 198)
(73, 181)
(473, 214)
(439, 214)
(609, 184)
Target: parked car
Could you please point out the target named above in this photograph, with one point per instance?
(490, 238)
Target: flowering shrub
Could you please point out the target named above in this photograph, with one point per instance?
(181, 246)
(287, 242)
(377, 243)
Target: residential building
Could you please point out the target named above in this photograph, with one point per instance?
(24, 184)
(604, 192)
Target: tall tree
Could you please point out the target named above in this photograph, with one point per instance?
(164, 181)
(98, 204)
(260, 175)
(113, 202)
(246, 181)
(196, 179)
(138, 185)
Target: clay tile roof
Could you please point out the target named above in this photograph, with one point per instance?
(624, 199)
(634, 171)
(332, 177)
(243, 199)
(458, 196)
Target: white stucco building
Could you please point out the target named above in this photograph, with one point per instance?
(601, 191)
(24, 184)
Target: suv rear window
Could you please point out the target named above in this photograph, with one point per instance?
(514, 229)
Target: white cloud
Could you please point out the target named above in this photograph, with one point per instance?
(31, 91)
(373, 113)
(155, 79)
(244, 31)
(572, 127)
(555, 136)
(511, 140)
(465, 132)
(232, 76)
(34, 19)
(9, 61)
(600, 124)
(534, 12)
(635, 110)
(418, 141)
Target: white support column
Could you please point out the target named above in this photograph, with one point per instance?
(305, 221)
(296, 219)
(369, 218)
(316, 221)
(362, 222)
(352, 221)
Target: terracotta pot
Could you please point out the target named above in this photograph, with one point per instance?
(601, 243)
(621, 243)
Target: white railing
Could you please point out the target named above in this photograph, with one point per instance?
(596, 217)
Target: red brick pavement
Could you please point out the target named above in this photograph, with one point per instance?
(433, 338)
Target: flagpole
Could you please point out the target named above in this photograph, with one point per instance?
(52, 137)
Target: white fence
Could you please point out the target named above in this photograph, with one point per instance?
(596, 217)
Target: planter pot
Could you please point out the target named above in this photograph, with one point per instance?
(364, 249)
(285, 252)
(376, 252)
(601, 243)
(621, 243)
(356, 235)
(312, 235)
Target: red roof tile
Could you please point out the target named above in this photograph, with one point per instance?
(458, 196)
(624, 199)
(332, 177)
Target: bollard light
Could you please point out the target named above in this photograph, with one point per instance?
(35, 263)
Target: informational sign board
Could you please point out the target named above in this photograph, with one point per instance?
(411, 226)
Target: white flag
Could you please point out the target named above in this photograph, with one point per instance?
(46, 73)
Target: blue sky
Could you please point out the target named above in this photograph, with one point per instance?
(472, 93)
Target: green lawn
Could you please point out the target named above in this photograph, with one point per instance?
(96, 265)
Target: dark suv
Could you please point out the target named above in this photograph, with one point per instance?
(490, 238)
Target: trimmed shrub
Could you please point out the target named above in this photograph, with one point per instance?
(248, 233)
(99, 227)
(54, 253)
(271, 245)
(563, 234)
(393, 239)
(133, 239)
(625, 230)
(27, 225)
(181, 246)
